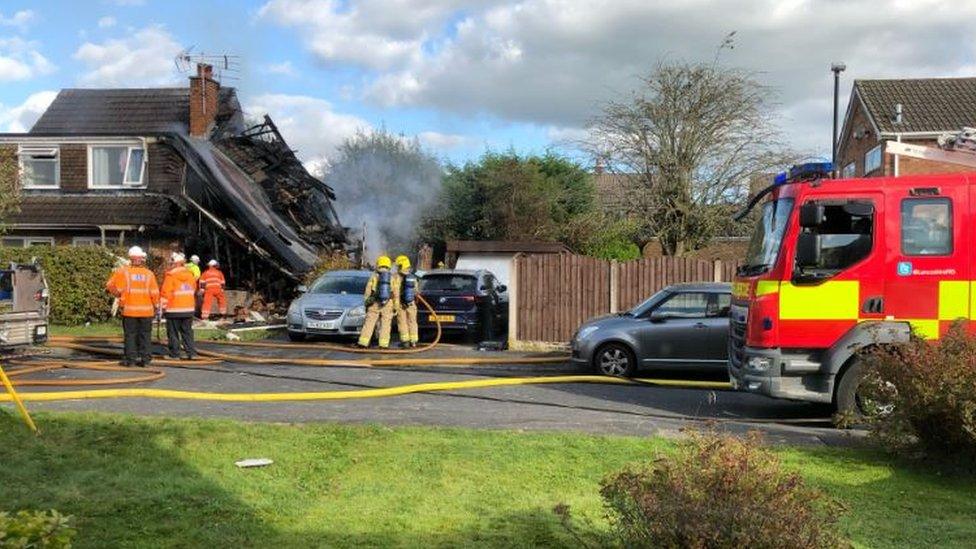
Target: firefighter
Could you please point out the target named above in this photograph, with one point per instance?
(406, 303)
(135, 287)
(212, 283)
(194, 266)
(178, 302)
(379, 301)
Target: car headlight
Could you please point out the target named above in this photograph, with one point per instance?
(358, 311)
(585, 331)
(759, 363)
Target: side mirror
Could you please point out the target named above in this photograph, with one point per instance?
(658, 316)
(811, 215)
(302, 289)
(808, 250)
(502, 289)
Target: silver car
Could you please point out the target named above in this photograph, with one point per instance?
(333, 305)
(682, 326)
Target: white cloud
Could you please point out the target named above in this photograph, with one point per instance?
(142, 58)
(439, 140)
(20, 118)
(21, 60)
(285, 69)
(107, 22)
(310, 125)
(20, 20)
(553, 62)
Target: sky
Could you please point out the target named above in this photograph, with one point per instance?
(465, 76)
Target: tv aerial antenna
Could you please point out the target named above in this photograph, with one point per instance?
(226, 66)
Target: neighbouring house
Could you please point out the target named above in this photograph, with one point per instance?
(496, 255)
(917, 111)
(168, 169)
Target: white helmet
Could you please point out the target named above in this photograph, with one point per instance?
(136, 251)
(177, 257)
(213, 263)
(195, 258)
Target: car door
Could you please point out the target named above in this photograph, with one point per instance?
(676, 330)
(716, 344)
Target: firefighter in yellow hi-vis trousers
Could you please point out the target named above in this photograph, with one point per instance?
(406, 310)
(379, 301)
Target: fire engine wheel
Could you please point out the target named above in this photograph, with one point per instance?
(615, 359)
(848, 402)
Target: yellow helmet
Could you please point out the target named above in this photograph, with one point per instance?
(383, 261)
(403, 262)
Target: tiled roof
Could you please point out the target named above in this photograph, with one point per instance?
(62, 209)
(928, 104)
(132, 111)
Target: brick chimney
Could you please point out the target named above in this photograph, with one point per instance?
(204, 91)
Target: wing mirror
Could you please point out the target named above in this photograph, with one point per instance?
(302, 289)
(808, 250)
(811, 215)
(502, 289)
(658, 317)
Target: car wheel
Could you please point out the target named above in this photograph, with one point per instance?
(615, 359)
(851, 406)
(296, 336)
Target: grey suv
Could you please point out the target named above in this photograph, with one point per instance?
(682, 326)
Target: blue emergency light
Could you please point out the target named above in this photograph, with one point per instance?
(810, 170)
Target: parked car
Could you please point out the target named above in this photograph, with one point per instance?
(466, 302)
(24, 305)
(683, 326)
(332, 305)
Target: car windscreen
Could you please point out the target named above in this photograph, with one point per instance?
(645, 305)
(449, 283)
(340, 285)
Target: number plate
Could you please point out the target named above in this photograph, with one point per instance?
(442, 318)
(323, 324)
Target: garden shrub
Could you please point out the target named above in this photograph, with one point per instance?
(718, 491)
(35, 529)
(76, 277)
(923, 395)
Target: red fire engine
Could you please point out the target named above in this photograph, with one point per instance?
(836, 265)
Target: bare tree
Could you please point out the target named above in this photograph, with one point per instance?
(694, 136)
(9, 187)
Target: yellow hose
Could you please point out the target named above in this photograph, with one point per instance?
(347, 394)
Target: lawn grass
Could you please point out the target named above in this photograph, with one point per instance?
(172, 482)
(114, 328)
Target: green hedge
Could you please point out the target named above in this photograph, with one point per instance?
(28, 529)
(77, 279)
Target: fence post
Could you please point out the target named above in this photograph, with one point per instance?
(513, 306)
(717, 270)
(614, 286)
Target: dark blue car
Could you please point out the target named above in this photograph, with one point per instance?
(466, 302)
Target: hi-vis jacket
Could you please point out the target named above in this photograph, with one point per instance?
(136, 289)
(212, 279)
(179, 291)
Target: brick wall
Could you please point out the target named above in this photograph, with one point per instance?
(853, 149)
(165, 169)
(74, 168)
(204, 92)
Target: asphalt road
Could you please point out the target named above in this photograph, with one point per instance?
(596, 408)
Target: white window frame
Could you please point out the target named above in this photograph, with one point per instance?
(850, 170)
(78, 241)
(31, 240)
(30, 150)
(126, 182)
(867, 164)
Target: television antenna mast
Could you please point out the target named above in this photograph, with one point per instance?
(226, 66)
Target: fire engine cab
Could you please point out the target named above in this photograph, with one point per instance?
(836, 265)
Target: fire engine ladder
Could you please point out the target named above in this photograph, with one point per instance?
(954, 148)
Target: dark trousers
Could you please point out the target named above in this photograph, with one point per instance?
(137, 332)
(179, 329)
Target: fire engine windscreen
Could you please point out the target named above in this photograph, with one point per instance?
(767, 237)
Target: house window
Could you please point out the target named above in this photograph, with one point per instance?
(849, 170)
(26, 241)
(40, 167)
(84, 241)
(926, 226)
(116, 166)
(872, 160)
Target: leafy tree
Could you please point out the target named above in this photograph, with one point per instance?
(506, 196)
(694, 135)
(384, 181)
(9, 188)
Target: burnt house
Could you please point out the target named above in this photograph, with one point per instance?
(171, 168)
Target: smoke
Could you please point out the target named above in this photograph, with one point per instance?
(384, 181)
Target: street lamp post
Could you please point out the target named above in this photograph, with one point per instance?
(836, 68)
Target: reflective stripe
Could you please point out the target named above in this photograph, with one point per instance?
(953, 299)
(765, 287)
(925, 328)
(831, 300)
